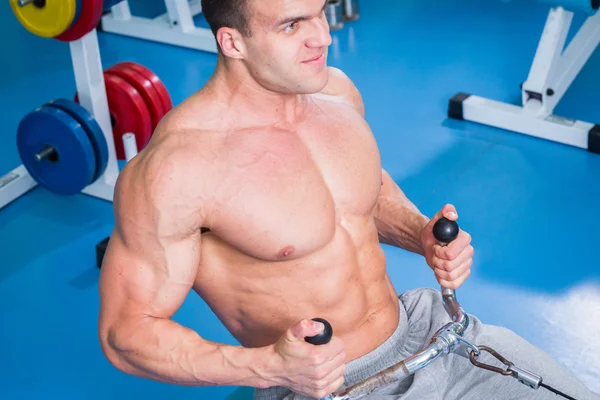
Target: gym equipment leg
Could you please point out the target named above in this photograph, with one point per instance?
(15, 184)
(175, 27)
(91, 89)
(550, 76)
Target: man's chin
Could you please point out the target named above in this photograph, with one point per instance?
(315, 83)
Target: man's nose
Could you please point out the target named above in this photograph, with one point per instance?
(320, 36)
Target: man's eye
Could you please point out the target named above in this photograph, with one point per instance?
(291, 26)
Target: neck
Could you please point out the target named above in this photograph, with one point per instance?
(236, 89)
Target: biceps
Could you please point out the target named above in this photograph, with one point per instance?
(148, 278)
(389, 188)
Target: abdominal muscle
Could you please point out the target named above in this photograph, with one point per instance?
(344, 282)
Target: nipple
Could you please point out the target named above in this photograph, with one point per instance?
(286, 252)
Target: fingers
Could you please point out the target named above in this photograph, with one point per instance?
(324, 357)
(328, 383)
(334, 385)
(323, 369)
(450, 260)
(309, 369)
(452, 263)
(304, 328)
(321, 393)
(336, 346)
(448, 211)
(455, 274)
(454, 248)
(455, 284)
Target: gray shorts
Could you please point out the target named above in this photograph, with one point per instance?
(452, 376)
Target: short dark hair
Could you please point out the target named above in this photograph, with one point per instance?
(227, 13)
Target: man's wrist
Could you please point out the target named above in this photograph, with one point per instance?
(422, 221)
(266, 368)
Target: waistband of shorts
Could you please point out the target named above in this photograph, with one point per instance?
(390, 352)
(385, 355)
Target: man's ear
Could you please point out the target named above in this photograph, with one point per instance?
(231, 42)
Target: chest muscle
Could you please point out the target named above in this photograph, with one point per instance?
(287, 190)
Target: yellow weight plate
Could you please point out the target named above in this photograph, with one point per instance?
(45, 18)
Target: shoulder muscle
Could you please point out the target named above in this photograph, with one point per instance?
(156, 189)
(154, 251)
(341, 85)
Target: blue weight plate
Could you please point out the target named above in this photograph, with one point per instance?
(89, 123)
(71, 167)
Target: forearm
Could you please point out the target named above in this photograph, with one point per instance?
(399, 222)
(162, 350)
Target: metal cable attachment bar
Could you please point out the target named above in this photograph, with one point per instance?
(447, 339)
(454, 310)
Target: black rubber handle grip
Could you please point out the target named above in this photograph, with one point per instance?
(445, 230)
(322, 338)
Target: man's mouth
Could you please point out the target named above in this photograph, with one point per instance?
(317, 58)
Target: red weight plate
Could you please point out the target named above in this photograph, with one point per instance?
(129, 112)
(89, 18)
(160, 87)
(146, 89)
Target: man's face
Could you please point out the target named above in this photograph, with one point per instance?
(287, 51)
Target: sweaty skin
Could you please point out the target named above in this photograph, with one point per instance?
(272, 210)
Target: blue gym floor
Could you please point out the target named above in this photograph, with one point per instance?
(530, 205)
